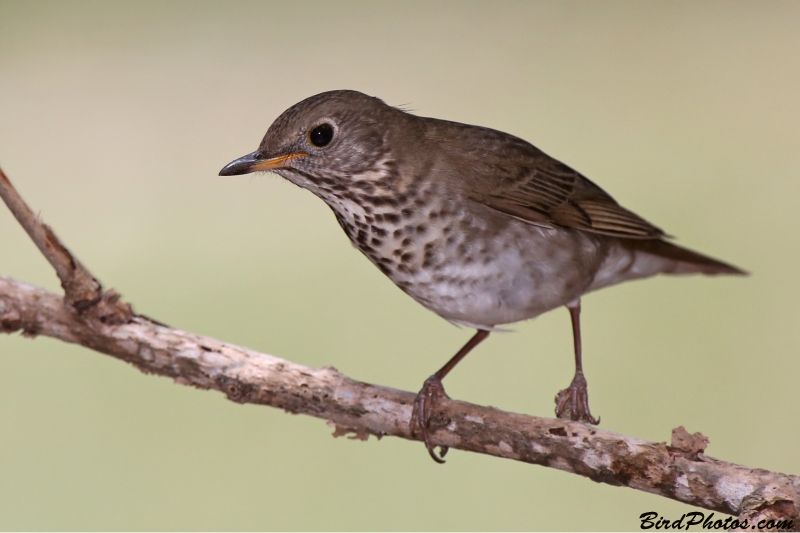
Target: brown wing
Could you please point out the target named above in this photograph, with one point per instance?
(546, 192)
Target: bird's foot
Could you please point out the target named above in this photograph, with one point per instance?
(424, 404)
(573, 402)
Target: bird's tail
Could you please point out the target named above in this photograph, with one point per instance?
(631, 259)
(681, 260)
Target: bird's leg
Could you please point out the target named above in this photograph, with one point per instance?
(573, 402)
(431, 391)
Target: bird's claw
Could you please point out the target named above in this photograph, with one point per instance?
(424, 404)
(573, 402)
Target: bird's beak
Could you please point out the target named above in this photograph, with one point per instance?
(254, 163)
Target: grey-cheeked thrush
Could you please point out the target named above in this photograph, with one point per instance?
(477, 225)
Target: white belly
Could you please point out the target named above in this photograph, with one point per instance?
(471, 272)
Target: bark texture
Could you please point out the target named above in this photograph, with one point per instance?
(679, 472)
(97, 319)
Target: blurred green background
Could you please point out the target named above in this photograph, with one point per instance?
(116, 117)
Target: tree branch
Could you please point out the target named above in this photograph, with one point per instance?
(81, 290)
(99, 321)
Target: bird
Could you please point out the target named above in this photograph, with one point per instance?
(477, 225)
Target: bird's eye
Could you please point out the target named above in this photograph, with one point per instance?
(321, 136)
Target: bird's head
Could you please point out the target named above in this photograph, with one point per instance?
(324, 141)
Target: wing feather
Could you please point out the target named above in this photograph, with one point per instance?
(546, 192)
(510, 175)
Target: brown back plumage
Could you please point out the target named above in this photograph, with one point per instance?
(517, 179)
